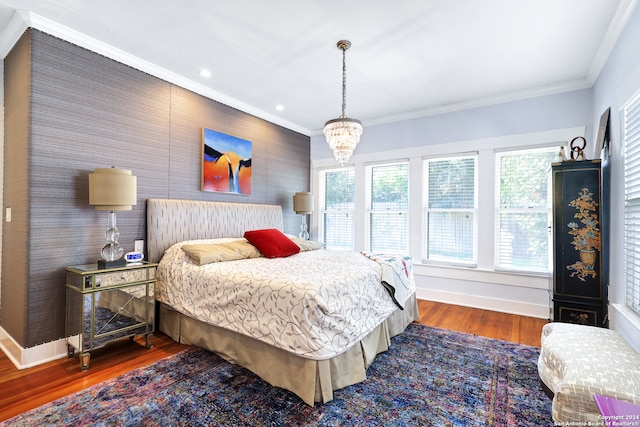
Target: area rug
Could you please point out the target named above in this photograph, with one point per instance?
(429, 377)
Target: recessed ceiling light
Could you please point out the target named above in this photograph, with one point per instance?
(205, 73)
(279, 107)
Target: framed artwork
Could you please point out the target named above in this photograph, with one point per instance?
(226, 163)
(602, 141)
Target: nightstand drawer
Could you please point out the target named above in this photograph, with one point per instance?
(110, 278)
(124, 276)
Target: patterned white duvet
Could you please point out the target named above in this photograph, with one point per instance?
(316, 304)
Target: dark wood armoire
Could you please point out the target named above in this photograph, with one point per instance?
(580, 243)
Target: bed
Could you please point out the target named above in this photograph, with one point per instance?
(311, 331)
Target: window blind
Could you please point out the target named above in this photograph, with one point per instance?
(631, 130)
(388, 204)
(337, 208)
(450, 210)
(523, 209)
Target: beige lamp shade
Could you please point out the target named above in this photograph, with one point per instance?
(112, 189)
(303, 203)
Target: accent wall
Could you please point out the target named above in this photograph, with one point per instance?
(68, 111)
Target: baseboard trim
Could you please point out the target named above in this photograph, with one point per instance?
(493, 304)
(24, 358)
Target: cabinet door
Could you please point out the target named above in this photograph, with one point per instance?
(582, 314)
(577, 233)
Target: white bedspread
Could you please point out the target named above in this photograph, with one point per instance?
(316, 304)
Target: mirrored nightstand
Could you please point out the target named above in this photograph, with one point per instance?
(104, 305)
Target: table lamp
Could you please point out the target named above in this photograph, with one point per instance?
(112, 189)
(303, 205)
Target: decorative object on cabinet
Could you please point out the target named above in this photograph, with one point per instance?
(343, 133)
(303, 205)
(580, 272)
(562, 156)
(226, 163)
(577, 148)
(104, 305)
(112, 189)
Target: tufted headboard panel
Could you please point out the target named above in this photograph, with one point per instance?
(171, 221)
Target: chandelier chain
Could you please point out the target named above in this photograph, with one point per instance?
(344, 82)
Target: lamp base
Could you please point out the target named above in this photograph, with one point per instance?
(111, 264)
(303, 229)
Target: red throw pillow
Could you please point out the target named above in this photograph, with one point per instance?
(272, 243)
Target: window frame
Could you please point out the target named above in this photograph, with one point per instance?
(499, 210)
(460, 277)
(473, 263)
(323, 211)
(370, 210)
(631, 229)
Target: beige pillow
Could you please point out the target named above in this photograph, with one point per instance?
(205, 253)
(307, 245)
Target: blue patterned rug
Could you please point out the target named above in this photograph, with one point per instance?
(429, 377)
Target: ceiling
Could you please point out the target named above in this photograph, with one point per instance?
(426, 57)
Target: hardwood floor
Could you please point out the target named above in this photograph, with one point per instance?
(21, 390)
(491, 324)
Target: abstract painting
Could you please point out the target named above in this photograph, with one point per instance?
(226, 163)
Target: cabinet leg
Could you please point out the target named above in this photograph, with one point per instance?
(70, 351)
(148, 340)
(84, 361)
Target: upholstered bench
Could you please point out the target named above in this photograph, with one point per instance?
(578, 361)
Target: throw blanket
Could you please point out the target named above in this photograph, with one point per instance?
(397, 276)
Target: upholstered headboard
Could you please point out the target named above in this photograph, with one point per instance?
(171, 221)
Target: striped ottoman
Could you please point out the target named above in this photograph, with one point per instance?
(578, 361)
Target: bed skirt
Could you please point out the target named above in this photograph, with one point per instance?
(312, 380)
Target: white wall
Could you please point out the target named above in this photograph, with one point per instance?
(619, 78)
(544, 113)
(548, 120)
(1, 163)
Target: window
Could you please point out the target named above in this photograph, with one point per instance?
(631, 137)
(523, 211)
(388, 206)
(450, 204)
(337, 208)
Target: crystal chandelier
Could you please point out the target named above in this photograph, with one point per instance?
(343, 133)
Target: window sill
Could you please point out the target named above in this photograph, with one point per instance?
(629, 314)
(502, 277)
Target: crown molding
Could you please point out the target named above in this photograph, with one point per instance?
(22, 20)
(477, 103)
(560, 136)
(17, 25)
(617, 25)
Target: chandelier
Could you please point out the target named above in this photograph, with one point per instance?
(343, 133)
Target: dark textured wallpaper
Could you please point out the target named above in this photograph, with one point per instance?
(69, 111)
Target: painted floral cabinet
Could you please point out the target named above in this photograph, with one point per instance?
(579, 256)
